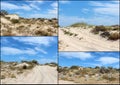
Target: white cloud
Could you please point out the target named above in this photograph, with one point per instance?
(46, 41)
(54, 9)
(16, 51)
(29, 6)
(108, 60)
(102, 14)
(106, 8)
(10, 6)
(85, 10)
(34, 6)
(64, 2)
(79, 55)
(40, 50)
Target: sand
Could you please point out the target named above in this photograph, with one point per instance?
(38, 75)
(66, 82)
(85, 41)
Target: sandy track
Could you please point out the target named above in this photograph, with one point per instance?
(38, 75)
(89, 42)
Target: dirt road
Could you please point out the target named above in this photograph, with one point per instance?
(38, 75)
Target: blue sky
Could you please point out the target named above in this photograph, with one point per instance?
(31, 8)
(42, 49)
(89, 59)
(96, 12)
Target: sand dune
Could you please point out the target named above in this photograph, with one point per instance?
(38, 75)
(85, 41)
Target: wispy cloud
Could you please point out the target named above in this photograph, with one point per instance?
(16, 51)
(10, 6)
(40, 50)
(46, 41)
(91, 12)
(79, 55)
(33, 9)
(108, 60)
(64, 2)
(106, 8)
(54, 8)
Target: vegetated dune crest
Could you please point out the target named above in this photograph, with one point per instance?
(14, 25)
(89, 38)
(88, 75)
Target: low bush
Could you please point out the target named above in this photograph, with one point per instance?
(97, 29)
(74, 67)
(13, 76)
(24, 67)
(14, 21)
(2, 77)
(43, 33)
(105, 34)
(114, 36)
(67, 32)
(107, 78)
(34, 62)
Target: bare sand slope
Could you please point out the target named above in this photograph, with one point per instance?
(85, 41)
(66, 82)
(38, 75)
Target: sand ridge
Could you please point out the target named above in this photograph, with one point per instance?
(85, 41)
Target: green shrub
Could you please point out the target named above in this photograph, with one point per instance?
(42, 33)
(24, 67)
(34, 62)
(107, 78)
(67, 33)
(14, 21)
(97, 29)
(13, 76)
(2, 77)
(114, 36)
(97, 67)
(8, 18)
(105, 34)
(22, 26)
(75, 34)
(74, 67)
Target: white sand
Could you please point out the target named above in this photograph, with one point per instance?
(88, 42)
(38, 75)
(66, 82)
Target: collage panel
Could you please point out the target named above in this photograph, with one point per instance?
(60, 42)
(28, 60)
(29, 18)
(89, 68)
(89, 25)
